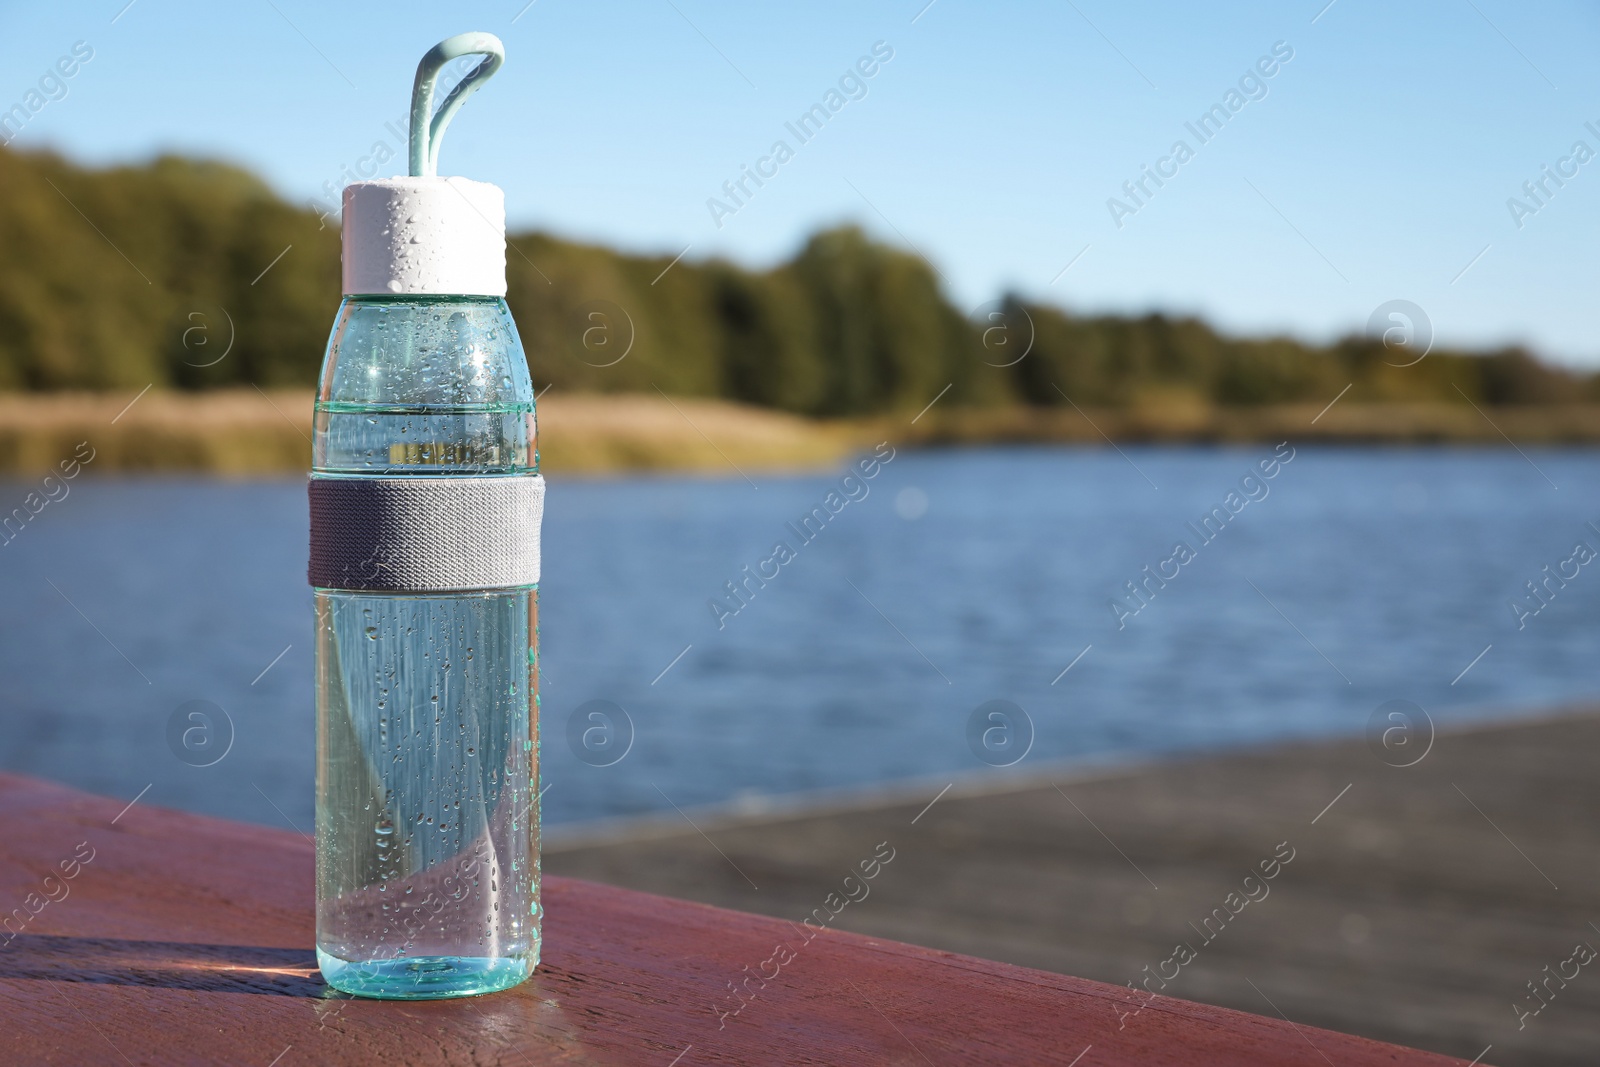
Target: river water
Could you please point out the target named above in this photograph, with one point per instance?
(947, 580)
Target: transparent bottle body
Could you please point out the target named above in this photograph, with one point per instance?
(427, 808)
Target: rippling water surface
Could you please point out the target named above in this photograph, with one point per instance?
(959, 578)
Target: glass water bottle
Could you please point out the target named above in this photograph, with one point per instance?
(425, 501)
(427, 819)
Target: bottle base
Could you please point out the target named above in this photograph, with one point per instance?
(424, 977)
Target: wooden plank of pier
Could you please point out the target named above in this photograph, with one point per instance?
(179, 939)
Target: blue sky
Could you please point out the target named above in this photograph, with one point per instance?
(1377, 166)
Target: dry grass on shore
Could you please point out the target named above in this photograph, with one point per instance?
(248, 432)
(1345, 422)
(245, 432)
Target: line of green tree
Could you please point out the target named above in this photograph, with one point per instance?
(117, 278)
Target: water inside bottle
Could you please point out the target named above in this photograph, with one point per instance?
(427, 820)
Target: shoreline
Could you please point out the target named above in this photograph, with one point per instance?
(253, 432)
(772, 809)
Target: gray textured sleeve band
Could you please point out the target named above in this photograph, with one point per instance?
(425, 534)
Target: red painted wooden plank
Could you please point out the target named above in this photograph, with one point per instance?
(159, 937)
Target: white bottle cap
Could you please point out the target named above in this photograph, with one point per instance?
(424, 235)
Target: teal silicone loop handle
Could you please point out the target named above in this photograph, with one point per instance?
(425, 134)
